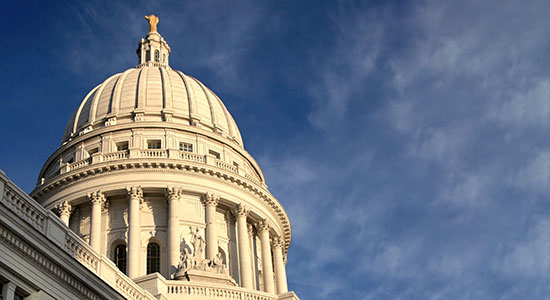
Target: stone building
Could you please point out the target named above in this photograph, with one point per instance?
(150, 196)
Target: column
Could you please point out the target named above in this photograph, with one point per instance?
(173, 196)
(245, 266)
(210, 203)
(267, 262)
(98, 200)
(135, 197)
(64, 211)
(8, 291)
(280, 272)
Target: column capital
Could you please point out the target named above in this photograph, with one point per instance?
(240, 210)
(63, 208)
(277, 242)
(173, 193)
(97, 197)
(135, 192)
(210, 199)
(262, 225)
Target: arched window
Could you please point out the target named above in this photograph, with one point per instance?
(157, 56)
(153, 258)
(120, 257)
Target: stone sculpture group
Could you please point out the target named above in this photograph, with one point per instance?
(196, 262)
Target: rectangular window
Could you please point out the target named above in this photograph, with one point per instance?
(214, 153)
(121, 146)
(187, 147)
(153, 144)
(93, 151)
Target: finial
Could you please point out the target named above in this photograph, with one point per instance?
(153, 21)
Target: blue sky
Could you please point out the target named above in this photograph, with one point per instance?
(408, 141)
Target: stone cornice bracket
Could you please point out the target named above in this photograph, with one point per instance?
(262, 225)
(63, 208)
(210, 199)
(97, 197)
(240, 210)
(135, 192)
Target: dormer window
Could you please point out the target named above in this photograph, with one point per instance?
(157, 56)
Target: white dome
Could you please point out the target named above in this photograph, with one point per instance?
(152, 93)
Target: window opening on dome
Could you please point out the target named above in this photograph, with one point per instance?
(187, 147)
(18, 296)
(157, 56)
(235, 164)
(153, 144)
(153, 258)
(120, 258)
(93, 151)
(164, 58)
(214, 153)
(121, 146)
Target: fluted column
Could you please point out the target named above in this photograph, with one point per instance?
(97, 199)
(64, 211)
(267, 263)
(173, 196)
(245, 266)
(210, 203)
(280, 272)
(135, 197)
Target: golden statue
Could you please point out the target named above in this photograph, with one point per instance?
(153, 21)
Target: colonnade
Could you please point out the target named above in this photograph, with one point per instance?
(271, 248)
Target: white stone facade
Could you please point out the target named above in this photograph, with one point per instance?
(152, 178)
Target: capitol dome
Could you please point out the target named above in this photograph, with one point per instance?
(152, 93)
(152, 173)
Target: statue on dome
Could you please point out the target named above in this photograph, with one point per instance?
(198, 243)
(153, 21)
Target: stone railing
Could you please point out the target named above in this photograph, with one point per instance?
(191, 156)
(29, 211)
(78, 165)
(181, 290)
(46, 222)
(154, 153)
(223, 165)
(115, 155)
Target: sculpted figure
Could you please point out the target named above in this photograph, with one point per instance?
(153, 21)
(186, 261)
(198, 244)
